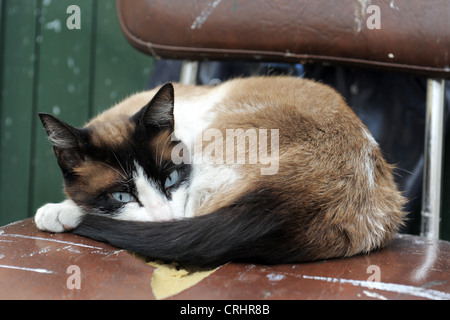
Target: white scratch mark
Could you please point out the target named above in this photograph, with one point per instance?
(44, 250)
(360, 13)
(204, 15)
(114, 253)
(384, 286)
(393, 6)
(374, 295)
(70, 249)
(275, 277)
(26, 269)
(428, 262)
(248, 268)
(23, 222)
(51, 240)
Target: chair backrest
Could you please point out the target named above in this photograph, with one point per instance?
(398, 35)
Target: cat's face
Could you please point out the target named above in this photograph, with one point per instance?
(123, 166)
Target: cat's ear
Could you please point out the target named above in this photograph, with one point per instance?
(66, 141)
(159, 111)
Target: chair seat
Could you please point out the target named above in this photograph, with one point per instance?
(34, 265)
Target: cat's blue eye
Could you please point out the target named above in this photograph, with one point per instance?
(172, 179)
(124, 197)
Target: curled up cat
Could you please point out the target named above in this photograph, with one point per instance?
(265, 169)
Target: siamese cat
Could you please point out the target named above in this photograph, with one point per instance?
(265, 169)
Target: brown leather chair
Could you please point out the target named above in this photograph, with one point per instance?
(42, 265)
(411, 36)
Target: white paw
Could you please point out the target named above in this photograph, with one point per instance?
(58, 217)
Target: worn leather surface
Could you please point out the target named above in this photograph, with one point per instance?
(34, 265)
(414, 34)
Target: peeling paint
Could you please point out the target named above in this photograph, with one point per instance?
(360, 14)
(393, 6)
(54, 25)
(275, 276)
(384, 286)
(204, 15)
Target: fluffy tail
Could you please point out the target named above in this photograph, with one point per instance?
(253, 229)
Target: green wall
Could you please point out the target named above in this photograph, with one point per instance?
(73, 74)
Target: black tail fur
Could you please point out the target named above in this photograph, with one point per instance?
(253, 229)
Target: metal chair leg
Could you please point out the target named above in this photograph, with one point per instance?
(434, 133)
(189, 72)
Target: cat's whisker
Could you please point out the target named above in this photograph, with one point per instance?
(165, 166)
(120, 164)
(156, 153)
(111, 167)
(162, 153)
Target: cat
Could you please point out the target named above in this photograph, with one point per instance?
(300, 179)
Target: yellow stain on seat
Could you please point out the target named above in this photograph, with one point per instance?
(168, 280)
